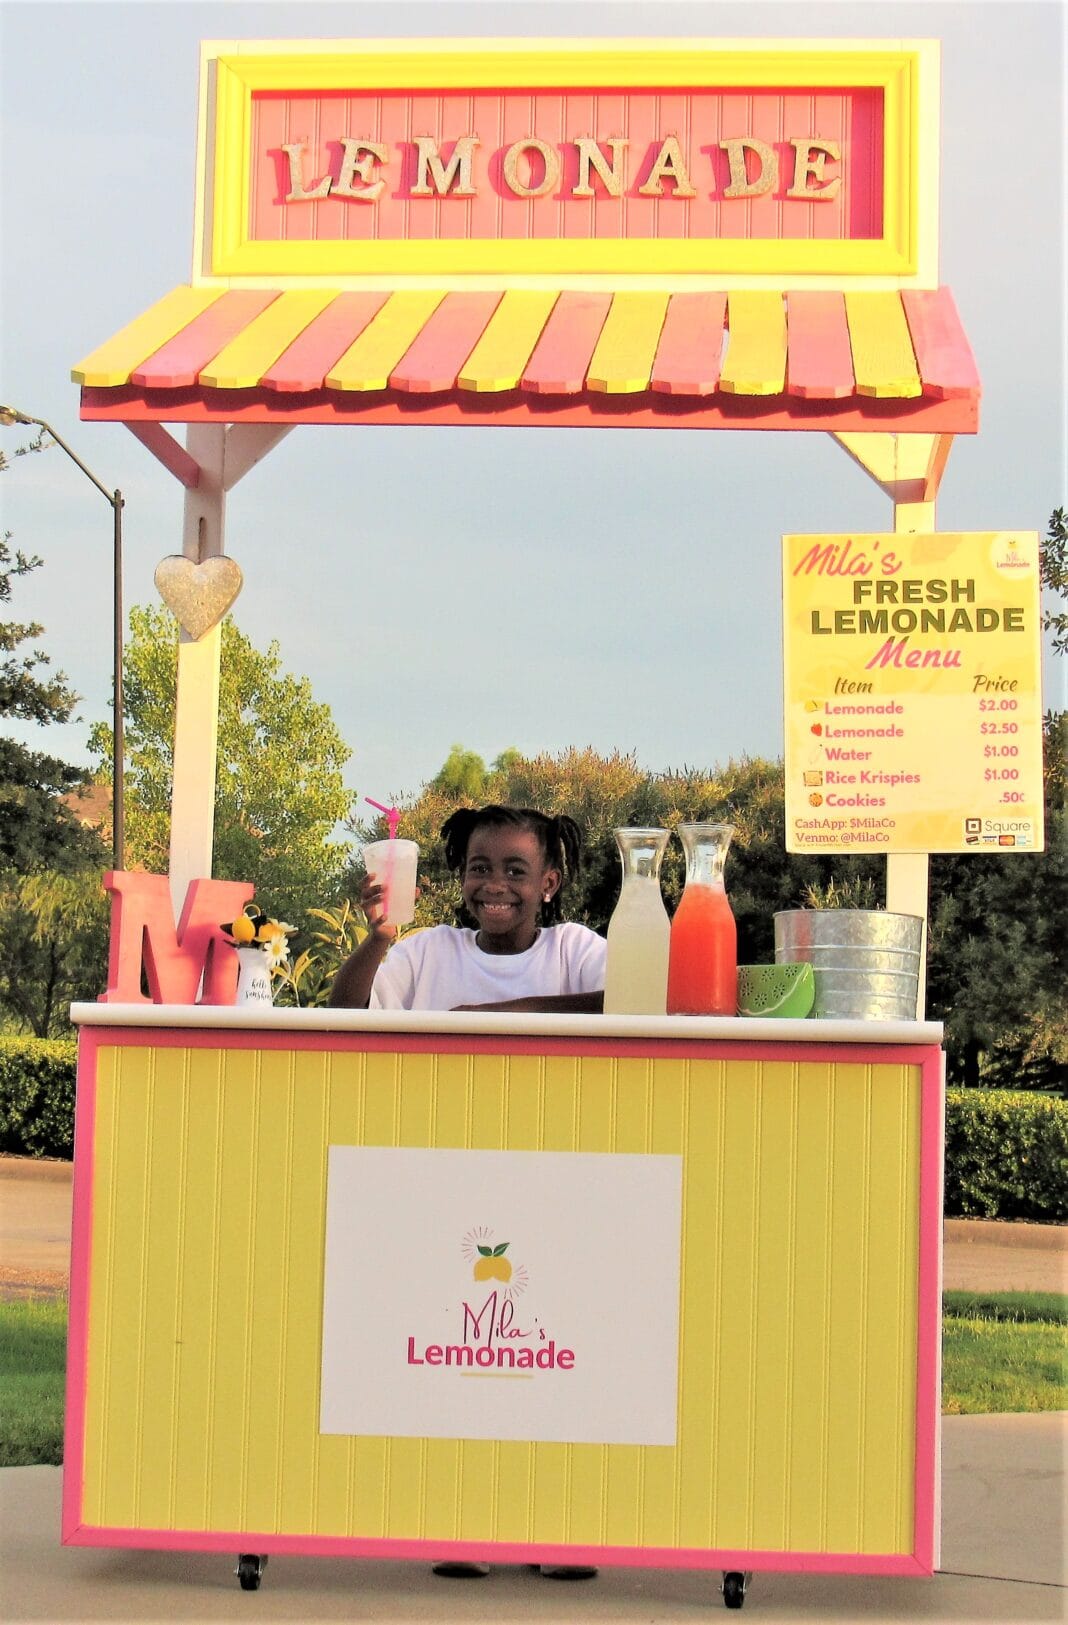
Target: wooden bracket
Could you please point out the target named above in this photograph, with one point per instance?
(162, 444)
(908, 467)
(246, 444)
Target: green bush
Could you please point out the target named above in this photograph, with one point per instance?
(37, 1096)
(1006, 1155)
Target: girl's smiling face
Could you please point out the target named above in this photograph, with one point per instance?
(506, 879)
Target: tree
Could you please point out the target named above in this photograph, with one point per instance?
(997, 962)
(53, 946)
(36, 829)
(279, 787)
(1053, 569)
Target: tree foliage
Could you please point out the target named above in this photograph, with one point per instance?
(36, 829)
(280, 790)
(1053, 568)
(53, 947)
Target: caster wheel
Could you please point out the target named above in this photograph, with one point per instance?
(249, 1571)
(734, 1588)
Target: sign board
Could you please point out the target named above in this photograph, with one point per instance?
(502, 1295)
(912, 693)
(509, 158)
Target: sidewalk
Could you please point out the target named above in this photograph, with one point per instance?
(1002, 1562)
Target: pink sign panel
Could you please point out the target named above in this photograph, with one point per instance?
(528, 165)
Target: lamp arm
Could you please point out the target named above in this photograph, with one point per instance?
(108, 496)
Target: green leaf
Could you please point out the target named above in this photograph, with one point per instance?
(487, 1252)
(497, 1251)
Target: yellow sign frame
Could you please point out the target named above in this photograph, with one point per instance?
(912, 692)
(905, 71)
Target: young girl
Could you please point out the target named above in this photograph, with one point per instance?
(512, 953)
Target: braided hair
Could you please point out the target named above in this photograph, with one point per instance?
(559, 837)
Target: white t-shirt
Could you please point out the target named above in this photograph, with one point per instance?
(442, 967)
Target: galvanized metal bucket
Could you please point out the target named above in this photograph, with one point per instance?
(865, 962)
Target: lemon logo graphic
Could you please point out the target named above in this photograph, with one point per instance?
(488, 1263)
(492, 1264)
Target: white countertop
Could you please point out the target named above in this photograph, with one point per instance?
(744, 1029)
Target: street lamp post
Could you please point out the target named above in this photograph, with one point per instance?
(8, 416)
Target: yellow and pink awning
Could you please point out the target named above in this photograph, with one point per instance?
(752, 358)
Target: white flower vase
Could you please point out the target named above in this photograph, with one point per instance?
(253, 977)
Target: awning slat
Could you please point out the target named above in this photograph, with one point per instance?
(819, 364)
(246, 358)
(431, 364)
(943, 354)
(497, 361)
(367, 364)
(691, 345)
(111, 364)
(884, 364)
(755, 363)
(562, 354)
(626, 349)
(178, 363)
(305, 365)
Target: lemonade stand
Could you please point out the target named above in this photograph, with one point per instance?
(646, 1291)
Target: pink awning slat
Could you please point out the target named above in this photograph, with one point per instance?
(178, 363)
(943, 355)
(819, 359)
(303, 366)
(691, 345)
(562, 355)
(431, 364)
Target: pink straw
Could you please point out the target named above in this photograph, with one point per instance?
(392, 815)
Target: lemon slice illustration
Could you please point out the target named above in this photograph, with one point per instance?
(775, 990)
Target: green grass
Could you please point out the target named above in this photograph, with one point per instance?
(1001, 1351)
(33, 1343)
(1004, 1351)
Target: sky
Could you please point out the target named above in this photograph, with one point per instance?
(495, 587)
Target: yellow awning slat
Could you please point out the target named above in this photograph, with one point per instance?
(498, 359)
(884, 364)
(111, 364)
(368, 362)
(755, 363)
(622, 362)
(246, 358)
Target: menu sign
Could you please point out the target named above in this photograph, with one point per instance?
(912, 692)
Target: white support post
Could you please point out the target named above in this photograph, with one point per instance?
(909, 469)
(196, 710)
(908, 873)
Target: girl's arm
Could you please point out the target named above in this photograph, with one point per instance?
(352, 984)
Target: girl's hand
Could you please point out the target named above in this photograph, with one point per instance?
(373, 903)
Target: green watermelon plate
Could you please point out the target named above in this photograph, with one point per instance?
(776, 990)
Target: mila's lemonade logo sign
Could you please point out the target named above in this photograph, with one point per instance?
(495, 1335)
(520, 1329)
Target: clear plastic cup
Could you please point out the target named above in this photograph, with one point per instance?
(392, 864)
